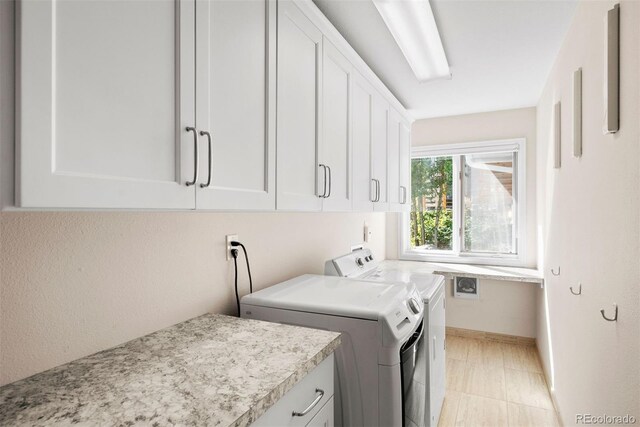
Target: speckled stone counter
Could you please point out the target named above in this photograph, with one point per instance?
(511, 274)
(213, 370)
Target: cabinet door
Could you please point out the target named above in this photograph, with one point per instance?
(393, 161)
(324, 417)
(405, 167)
(379, 136)
(235, 81)
(298, 127)
(363, 186)
(105, 96)
(335, 152)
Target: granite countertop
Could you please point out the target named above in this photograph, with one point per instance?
(512, 274)
(213, 370)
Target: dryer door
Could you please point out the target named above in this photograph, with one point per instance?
(414, 378)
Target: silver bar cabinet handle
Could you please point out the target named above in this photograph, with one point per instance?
(320, 394)
(195, 156)
(324, 188)
(329, 192)
(203, 133)
(377, 190)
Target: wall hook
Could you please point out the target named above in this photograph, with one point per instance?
(554, 273)
(615, 314)
(579, 289)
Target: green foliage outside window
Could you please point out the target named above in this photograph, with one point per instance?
(424, 224)
(431, 190)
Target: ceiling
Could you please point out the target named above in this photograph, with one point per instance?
(500, 52)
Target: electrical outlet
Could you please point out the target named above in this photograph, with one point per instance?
(230, 238)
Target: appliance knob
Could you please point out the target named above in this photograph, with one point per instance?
(359, 262)
(370, 257)
(414, 306)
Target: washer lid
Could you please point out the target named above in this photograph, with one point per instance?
(335, 296)
(426, 283)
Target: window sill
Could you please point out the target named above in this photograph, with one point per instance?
(492, 272)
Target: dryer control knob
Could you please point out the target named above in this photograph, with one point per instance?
(359, 262)
(414, 306)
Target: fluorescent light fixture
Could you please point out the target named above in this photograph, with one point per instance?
(412, 24)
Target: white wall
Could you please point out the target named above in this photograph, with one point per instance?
(76, 283)
(503, 307)
(485, 127)
(589, 211)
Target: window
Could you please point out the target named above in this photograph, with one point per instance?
(467, 203)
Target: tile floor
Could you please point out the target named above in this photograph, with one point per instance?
(494, 384)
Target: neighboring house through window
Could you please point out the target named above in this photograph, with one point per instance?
(467, 203)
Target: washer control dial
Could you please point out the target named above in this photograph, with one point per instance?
(414, 305)
(360, 262)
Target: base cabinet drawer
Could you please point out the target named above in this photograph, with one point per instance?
(324, 417)
(312, 396)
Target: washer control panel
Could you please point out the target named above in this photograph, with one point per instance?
(352, 264)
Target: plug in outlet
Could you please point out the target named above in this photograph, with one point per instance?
(230, 238)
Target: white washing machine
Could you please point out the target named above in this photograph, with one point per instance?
(361, 265)
(377, 383)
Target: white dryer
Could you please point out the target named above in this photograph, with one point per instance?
(377, 379)
(361, 265)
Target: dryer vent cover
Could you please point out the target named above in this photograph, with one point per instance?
(466, 287)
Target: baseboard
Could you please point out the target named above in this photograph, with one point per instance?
(552, 393)
(491, 336)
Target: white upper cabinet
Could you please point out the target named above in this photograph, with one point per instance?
(405, 166)
(201, 104)
(300, 180)
(363, 185)
(335, 149)
(379, 152)
(105, 94)
(236, 103)
(399, 144)
(393, 161)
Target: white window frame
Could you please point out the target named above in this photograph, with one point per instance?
(456, 256)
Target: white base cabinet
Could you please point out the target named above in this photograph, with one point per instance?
(311, 396)
(324, 417)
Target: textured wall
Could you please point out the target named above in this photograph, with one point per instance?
(589, 210)
(76, 283)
